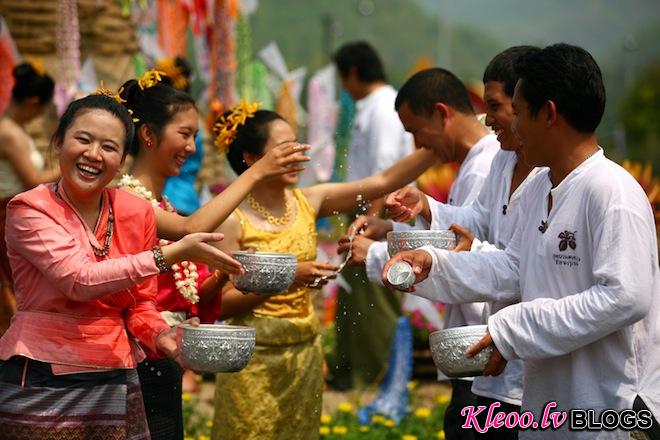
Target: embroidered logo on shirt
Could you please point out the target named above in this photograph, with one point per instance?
(566, 240)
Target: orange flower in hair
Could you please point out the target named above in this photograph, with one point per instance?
(109, 93)
(169, 68)
(226, 128)
(150, 78)
(37, 64)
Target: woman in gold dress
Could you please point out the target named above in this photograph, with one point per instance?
(279, 394)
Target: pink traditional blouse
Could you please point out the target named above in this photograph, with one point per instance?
(76, 310)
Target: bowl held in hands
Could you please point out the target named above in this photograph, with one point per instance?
(448, 349)
(398, 241)
(266, 273)
(215, 348)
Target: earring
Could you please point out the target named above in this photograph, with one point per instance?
(148, 145)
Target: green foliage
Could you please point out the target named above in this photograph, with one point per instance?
(640, 113)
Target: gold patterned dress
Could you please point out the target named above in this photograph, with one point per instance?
(279, 394)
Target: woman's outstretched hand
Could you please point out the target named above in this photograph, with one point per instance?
(314, 273)
(196, 247)
(283, 159)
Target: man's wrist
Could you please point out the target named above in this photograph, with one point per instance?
(426, 209)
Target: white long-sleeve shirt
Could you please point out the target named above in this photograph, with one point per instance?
(465, 189)
(493, 216)
(378, 139)
(588, 326)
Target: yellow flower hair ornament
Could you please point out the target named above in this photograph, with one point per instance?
(37, 64)
(226, 127)
(150, 78)
(116, 96)
(170, 69)
(109, 93)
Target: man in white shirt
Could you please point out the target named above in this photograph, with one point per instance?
(583, 261)
(367, 313)
(434, 106)
(493, 217)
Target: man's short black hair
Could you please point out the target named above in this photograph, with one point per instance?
(501, 67)
(364, 58)
(424, 89)
(567, 75)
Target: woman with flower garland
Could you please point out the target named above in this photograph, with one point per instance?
(166, 122)
(278, 395)
(84, 261)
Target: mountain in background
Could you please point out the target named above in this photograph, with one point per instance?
(464, 35)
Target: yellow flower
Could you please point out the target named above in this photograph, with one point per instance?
(422, 413)
(364, 428)
(209, 423)
(441, 435)
(389, 423)
(412, 385)
(345, 407)
(340, 430)
(150, 78)
(226, 127)
(443, 399)
(377, 419)
(203, 437)
(326, 419)
(186, 397)
(188, 438)
(169, 68)
(409, 437)
(37, 64)
(324, 430)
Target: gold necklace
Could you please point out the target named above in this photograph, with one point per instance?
(270, 218)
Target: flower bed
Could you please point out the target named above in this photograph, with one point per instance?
(424, 422)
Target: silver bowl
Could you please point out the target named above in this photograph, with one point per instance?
(448, 349)
(398, 241)
(215, 348)
(265, 273)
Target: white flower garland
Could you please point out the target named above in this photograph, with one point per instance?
(185, 273)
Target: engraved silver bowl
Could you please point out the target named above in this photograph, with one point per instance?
(266, 273)
(448, 349)
(398, 241)
(215, 348)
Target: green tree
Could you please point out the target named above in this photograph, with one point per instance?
(640, 114)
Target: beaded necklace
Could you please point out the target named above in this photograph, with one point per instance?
(99, 252)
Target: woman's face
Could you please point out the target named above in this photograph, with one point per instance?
(280, 132)
(177, 142)
(91, 153)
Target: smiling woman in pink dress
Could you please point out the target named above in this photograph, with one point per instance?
(84, 261)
